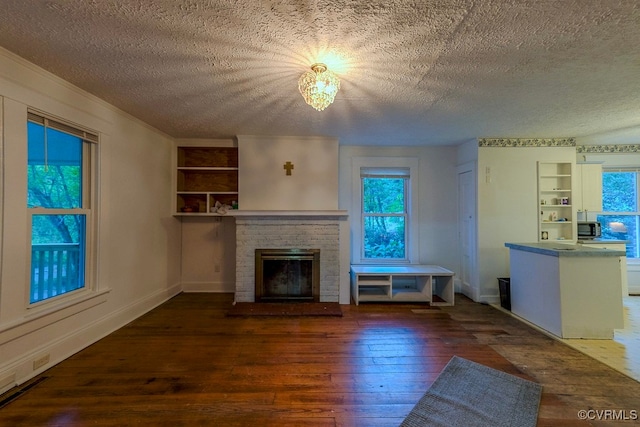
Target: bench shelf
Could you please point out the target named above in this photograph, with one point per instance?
(419, 283)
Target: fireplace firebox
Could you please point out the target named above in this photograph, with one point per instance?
(287, 275)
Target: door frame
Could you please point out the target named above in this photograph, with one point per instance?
(470, 289)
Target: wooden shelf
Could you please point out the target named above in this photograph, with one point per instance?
(205, 157)
(555, 183)
(205, 175)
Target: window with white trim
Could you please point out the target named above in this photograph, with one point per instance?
(60, 200)
(620, 218)
(385, 218)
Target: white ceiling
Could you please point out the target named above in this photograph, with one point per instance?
(413, 72)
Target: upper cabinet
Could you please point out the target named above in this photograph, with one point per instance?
(555, 198)
(205, 175)
(589, 187)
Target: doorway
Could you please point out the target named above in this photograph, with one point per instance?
(467, 230)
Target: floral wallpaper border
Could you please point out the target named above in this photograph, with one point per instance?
(612, 148)
(526, 142)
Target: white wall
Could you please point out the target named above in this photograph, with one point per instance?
(209, 243)
(138, 239)
(437, 216)
(208, 254)
(467, 152)
(264, 185)
(508, 206)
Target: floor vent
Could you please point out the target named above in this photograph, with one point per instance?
(15, 394)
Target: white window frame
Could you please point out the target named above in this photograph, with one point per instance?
(88, 209)
(594, 215)
(411, 226)
(386, 173)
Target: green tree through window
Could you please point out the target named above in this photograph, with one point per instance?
(620, 204)
(384, 205)
(620, 193)
(55, 197)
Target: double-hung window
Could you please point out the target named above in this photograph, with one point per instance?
(60, 203)
(620, 218)
(385, 213)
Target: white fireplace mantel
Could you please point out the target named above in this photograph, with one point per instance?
(264, 214)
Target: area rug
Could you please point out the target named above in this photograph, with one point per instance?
(245, 309)
(473, 395)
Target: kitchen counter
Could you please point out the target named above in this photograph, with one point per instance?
(559, 249)
(569, 290)
(602, 241)
(615, 244)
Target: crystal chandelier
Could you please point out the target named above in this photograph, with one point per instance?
(319, 86)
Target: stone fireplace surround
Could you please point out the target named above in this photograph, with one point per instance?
(288, 229)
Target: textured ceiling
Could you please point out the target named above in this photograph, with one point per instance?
(421, 72)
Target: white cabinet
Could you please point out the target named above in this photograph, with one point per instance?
(589, 192)
(573, 292)
(419, 283)
(616, 245)
(556, 219)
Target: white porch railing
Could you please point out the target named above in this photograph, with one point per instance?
(55, 270)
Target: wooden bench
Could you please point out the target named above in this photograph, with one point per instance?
(409, 283)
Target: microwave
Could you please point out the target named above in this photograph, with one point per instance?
(589, 230)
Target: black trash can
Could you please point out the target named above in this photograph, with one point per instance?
(504, 283)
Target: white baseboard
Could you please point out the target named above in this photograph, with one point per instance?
(633, 278)
(469, 292)
(7, 382)
(36, 361)
(213, 287)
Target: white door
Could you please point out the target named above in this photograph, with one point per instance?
(467, 231)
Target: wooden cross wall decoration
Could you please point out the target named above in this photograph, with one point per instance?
(288, 167)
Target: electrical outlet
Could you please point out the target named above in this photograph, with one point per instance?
(216, 268)
(40, 362)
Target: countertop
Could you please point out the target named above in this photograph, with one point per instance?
(601, 241)
(557, 249)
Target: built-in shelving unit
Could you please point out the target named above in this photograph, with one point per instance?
(555, 198)
(413, 283)
(205, 175)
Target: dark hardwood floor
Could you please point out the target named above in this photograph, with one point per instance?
(186, 364)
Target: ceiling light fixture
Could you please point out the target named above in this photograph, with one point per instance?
(319, 86)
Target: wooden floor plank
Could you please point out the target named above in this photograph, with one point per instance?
(186, 363)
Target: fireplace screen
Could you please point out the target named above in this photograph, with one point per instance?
(287, 274)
